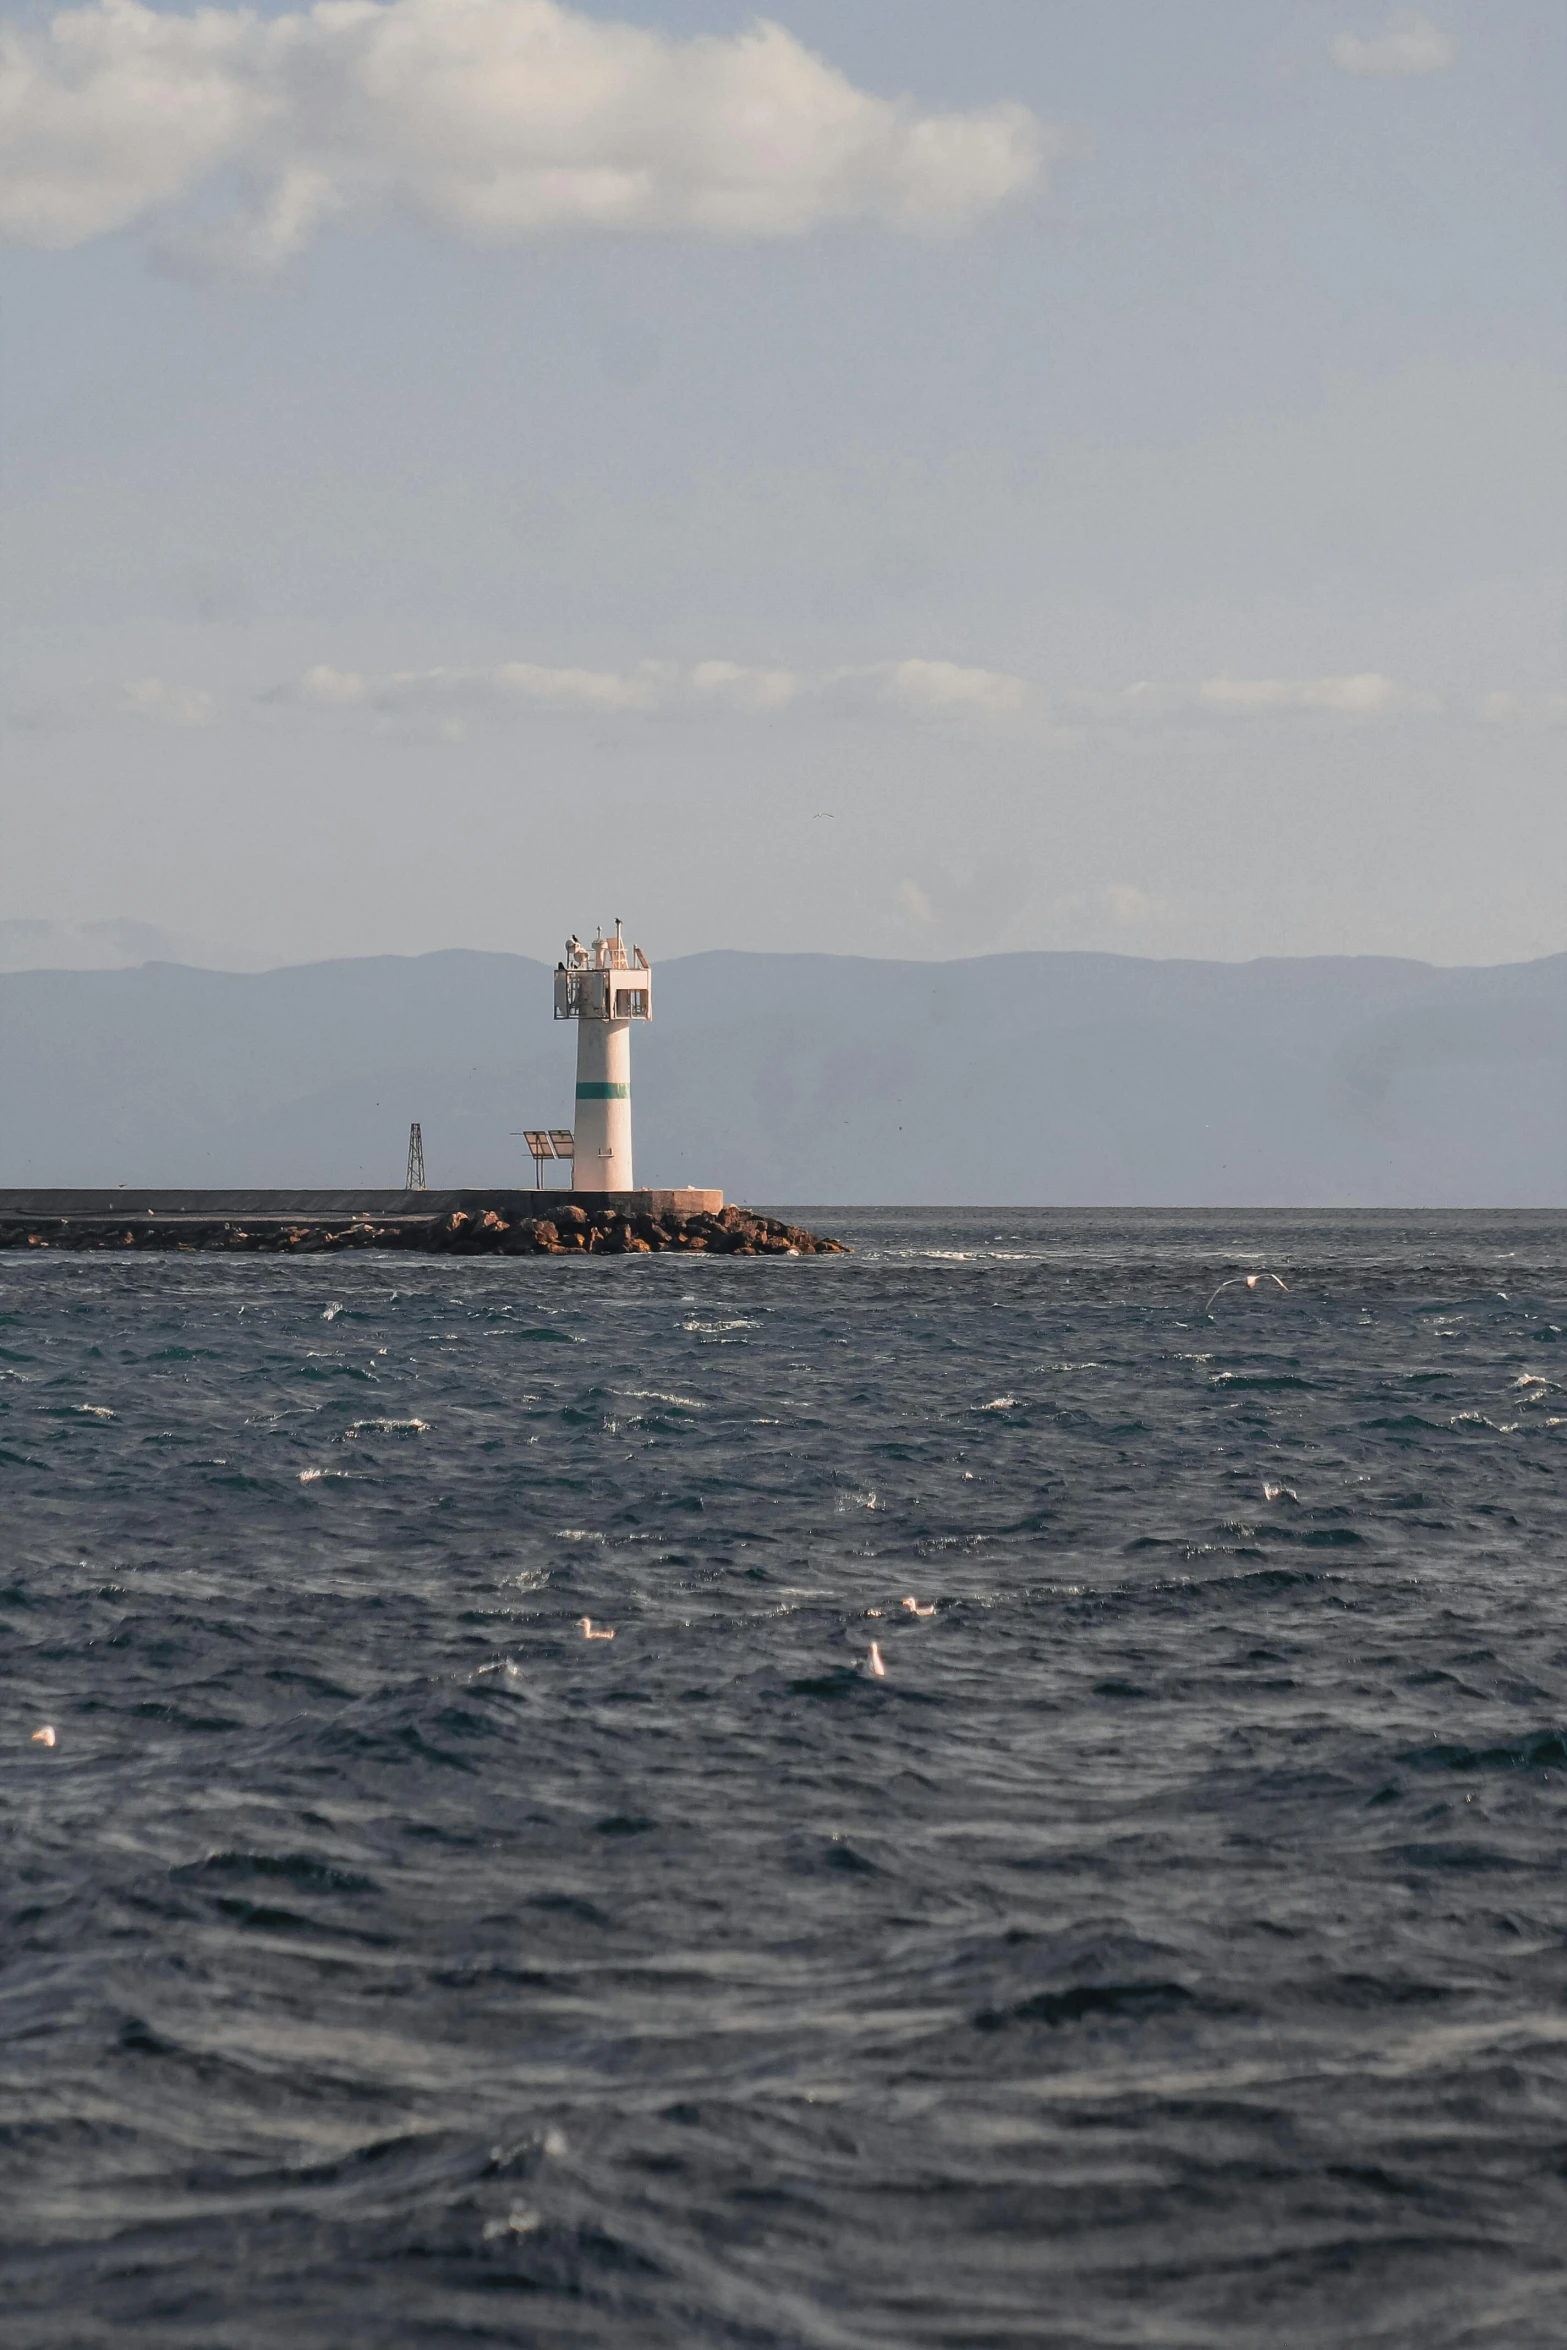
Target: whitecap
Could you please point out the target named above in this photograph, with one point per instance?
(96, 1411)
(516, 2223)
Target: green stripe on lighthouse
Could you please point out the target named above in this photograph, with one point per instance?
(601, 1089)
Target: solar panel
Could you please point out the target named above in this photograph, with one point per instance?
(561, 1137)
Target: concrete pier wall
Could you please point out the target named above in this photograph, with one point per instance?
(289, 1206)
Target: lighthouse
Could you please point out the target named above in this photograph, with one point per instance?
(604, 988)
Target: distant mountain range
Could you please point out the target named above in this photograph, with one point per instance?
(1009, 1079)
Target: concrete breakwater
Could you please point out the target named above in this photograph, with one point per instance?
(468, 1223)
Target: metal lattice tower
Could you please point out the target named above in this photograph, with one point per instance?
(414, 1180)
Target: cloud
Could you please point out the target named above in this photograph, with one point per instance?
(606, 690)
(39, 944)
(168, 705)
(927, 692)
(496, 119)
(1364, 695)
(1367, 695)
(920, 689)
(1093, 918)
(933, 688)
(651, 685)
(1410, 44)
(746, 689)
(333, 686)
(1523, 709)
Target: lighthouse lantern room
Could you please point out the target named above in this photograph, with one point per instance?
(604, 988)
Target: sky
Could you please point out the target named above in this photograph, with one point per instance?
(884, 477)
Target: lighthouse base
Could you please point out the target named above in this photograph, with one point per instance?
(655, 1203)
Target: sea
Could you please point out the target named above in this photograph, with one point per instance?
(1066, 1845)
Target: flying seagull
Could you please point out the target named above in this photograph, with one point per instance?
(1251, 1280)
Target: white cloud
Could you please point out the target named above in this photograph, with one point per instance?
(1523, 709)
(555, 689)
(1365, 695)
(496, 118)
(1117, 916)
(919, 689)
(168, 705)
(937, 688)
(746, 689)
(1409, 44)
(1124, 902)
(333, 686)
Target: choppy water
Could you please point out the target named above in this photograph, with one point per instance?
(1171, 1948)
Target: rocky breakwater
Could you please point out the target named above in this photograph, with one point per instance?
(729, 1232)
(474, 1230)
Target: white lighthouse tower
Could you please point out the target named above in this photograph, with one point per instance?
(604, 989)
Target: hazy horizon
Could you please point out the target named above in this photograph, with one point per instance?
(1085, 1078)
(127, 945)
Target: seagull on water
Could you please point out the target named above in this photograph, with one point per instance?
(590, 1631)
(915, 1609)
(877, 1667)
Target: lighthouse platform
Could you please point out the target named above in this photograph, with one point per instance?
(290, 1205)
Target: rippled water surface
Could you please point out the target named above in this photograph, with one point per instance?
(1168, 1947)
